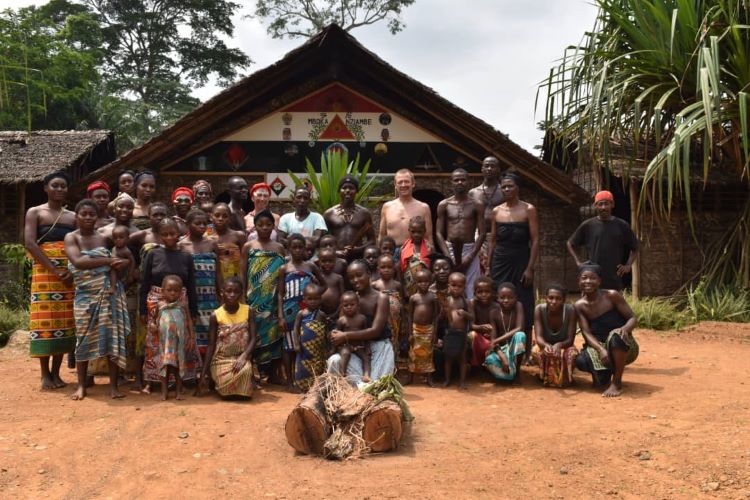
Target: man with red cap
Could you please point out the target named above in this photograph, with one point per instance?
(609, 240)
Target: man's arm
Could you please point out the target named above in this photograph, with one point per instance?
(427, 215)
(441, 229)
(383, 230)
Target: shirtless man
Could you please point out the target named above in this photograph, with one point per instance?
(489, 194)
(459, 219)
(238, 192)
(395, 215)
(348, 221)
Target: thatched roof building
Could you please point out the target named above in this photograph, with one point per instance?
(25, 158)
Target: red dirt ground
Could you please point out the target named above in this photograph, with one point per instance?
(680, 430)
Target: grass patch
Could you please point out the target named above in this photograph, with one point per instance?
(658, 313)
(717, 303)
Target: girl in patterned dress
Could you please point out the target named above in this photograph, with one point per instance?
(231, 344)
(207, 272)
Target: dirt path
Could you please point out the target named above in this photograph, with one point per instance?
(681, 430)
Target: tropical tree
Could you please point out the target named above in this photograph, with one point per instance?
(305, 18)
(155, 52)
(334, 166)
(48, 59)
(663, 85)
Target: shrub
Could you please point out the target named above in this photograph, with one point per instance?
(10, 321)
(15, 293)
(658, 313)
(717, 303)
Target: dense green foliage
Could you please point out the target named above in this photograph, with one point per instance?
(305, 18)
(125, 66)
(663, 84)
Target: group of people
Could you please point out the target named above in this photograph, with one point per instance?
(203, 291)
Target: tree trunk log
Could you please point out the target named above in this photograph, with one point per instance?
(383, 429)
(306, 427)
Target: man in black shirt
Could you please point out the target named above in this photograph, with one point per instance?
(608, 240)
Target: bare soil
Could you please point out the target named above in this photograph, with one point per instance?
(680, 430)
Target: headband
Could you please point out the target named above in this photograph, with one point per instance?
(123, 196)
(260, 185)
(604, 195)
(180, 191)
(97, 185)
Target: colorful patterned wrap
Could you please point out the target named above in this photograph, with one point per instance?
(141, 331)
(555, 371)
(294, 284)
(102, 320)
(311, 360)
(51, 322)
(232, 338)
(177, 347)
(229, 259)
(515, 347)
(262, 295)
(204, 265)
(420, 349)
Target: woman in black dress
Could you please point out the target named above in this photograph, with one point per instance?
(514, 247)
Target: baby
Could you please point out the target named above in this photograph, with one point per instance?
(120, 237)
(352, 320)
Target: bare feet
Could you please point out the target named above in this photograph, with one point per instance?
(613, 391)
(48, 384)
(79, 394)
(430, 382)
(366, 378)
(179, 396)
(116, 394)
(90, 381)
(462, 386)
(58, 382)
(447, 382)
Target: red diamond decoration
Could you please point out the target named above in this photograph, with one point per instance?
(277, 186)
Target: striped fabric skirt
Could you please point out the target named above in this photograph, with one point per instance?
(204, 265)
(51, 322)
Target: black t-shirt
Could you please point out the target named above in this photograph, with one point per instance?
(609, 243)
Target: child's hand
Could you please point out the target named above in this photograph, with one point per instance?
(439, 343)
(239, 364)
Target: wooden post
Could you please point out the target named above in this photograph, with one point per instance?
(21, 187)
(636, 269)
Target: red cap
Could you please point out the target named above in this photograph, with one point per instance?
(260, 185)
(604, 195)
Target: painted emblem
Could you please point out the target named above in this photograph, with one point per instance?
(236, 156)
(277, 186)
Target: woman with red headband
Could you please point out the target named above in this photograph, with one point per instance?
(260, 193)
(99, 191)
(182, 201)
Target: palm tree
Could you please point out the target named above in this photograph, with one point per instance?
(662, 86)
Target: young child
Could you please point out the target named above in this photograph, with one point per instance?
(555, 324)
(389, 286)
(486, 324)
(370, 255)
(293, 277)
(310, 330)
(328, 241)
(331, 298)
(424, 310)
(206, 267)
(160, 262)
(178, 354)
(458, 319)
(414, 254)
(229, 242)
(441, 268)
(121, 251)
(509, 342)
(387, 246)
(352, 320)
(231, 343)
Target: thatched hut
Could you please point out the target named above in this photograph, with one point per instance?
(25, 158)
